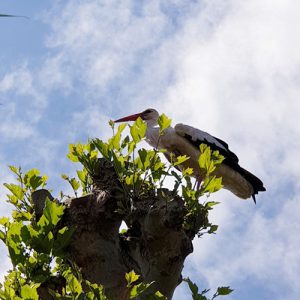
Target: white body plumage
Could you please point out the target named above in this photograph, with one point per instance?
(185, 140)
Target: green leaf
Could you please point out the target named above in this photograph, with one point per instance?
(64, 176)
(143, 155)
(118, 163)
(129, 179)
(213, 229)
(138, 289)
(21, 215)
(121, 127)
(63, 239)
(212, 184)
(4, 221)
(102, 147)
(73, 153)
(15, 169)
(131, 147)
(181, 159)
(33, 180)
(29, 292)
(53, 211)
(224, 290)
(159, 296)
(131, 277)
(114, 142)
(211, 203)
(188, 172)
(44, 224)
(217, 158)
(14, 243)
(2, 237)
(111, 123)
(164, 122)
(193, 287)
(72, 283)
(123, 231)
(15, 190)
(82, 175)
(138, 130)
(47, 243)
(75, 184)
(204, 159)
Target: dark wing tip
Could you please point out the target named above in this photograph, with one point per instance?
(260, 189)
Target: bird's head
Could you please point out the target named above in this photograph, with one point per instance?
(150, 116)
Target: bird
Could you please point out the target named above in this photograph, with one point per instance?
(185, 140)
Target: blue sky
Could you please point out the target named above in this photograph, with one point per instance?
(230, 67)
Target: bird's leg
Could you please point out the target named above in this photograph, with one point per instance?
(199, 180)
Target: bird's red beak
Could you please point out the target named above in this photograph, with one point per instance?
(128, 118)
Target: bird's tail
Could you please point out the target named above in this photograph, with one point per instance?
(256, 183)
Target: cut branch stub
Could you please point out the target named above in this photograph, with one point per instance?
(39, 199)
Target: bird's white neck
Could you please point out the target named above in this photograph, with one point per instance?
(153, 138)
(152, 135)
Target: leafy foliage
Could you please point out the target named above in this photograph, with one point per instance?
(37, 248)
(221, 291)
(142, 171)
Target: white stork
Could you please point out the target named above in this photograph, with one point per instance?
(185, 140)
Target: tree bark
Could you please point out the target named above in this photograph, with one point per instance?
(154, 246)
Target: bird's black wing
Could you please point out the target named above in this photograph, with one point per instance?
(197, 137)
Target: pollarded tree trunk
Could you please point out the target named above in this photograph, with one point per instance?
(154, 246)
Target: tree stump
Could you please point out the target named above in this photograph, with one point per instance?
(154, 246)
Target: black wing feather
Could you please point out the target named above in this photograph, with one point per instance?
(230, 158)
(198, 137)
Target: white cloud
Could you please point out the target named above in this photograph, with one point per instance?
(99, 43)
(241, 84)
(252, 245)
(22, 104)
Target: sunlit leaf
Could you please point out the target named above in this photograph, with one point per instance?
(15, 169)
(15, 190)
(212, 184)
(4, 221)
(138, 289)
(82, 174)
(164, 122)
(131, 277)
(102, 147)
(29, 292)
(75, 184)
(72, 155)
(188, 172)
(33, 179)
(180, 159)
(138, 130)
(72, 283)
(211, 203)
(2, 236)
(53, 211)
